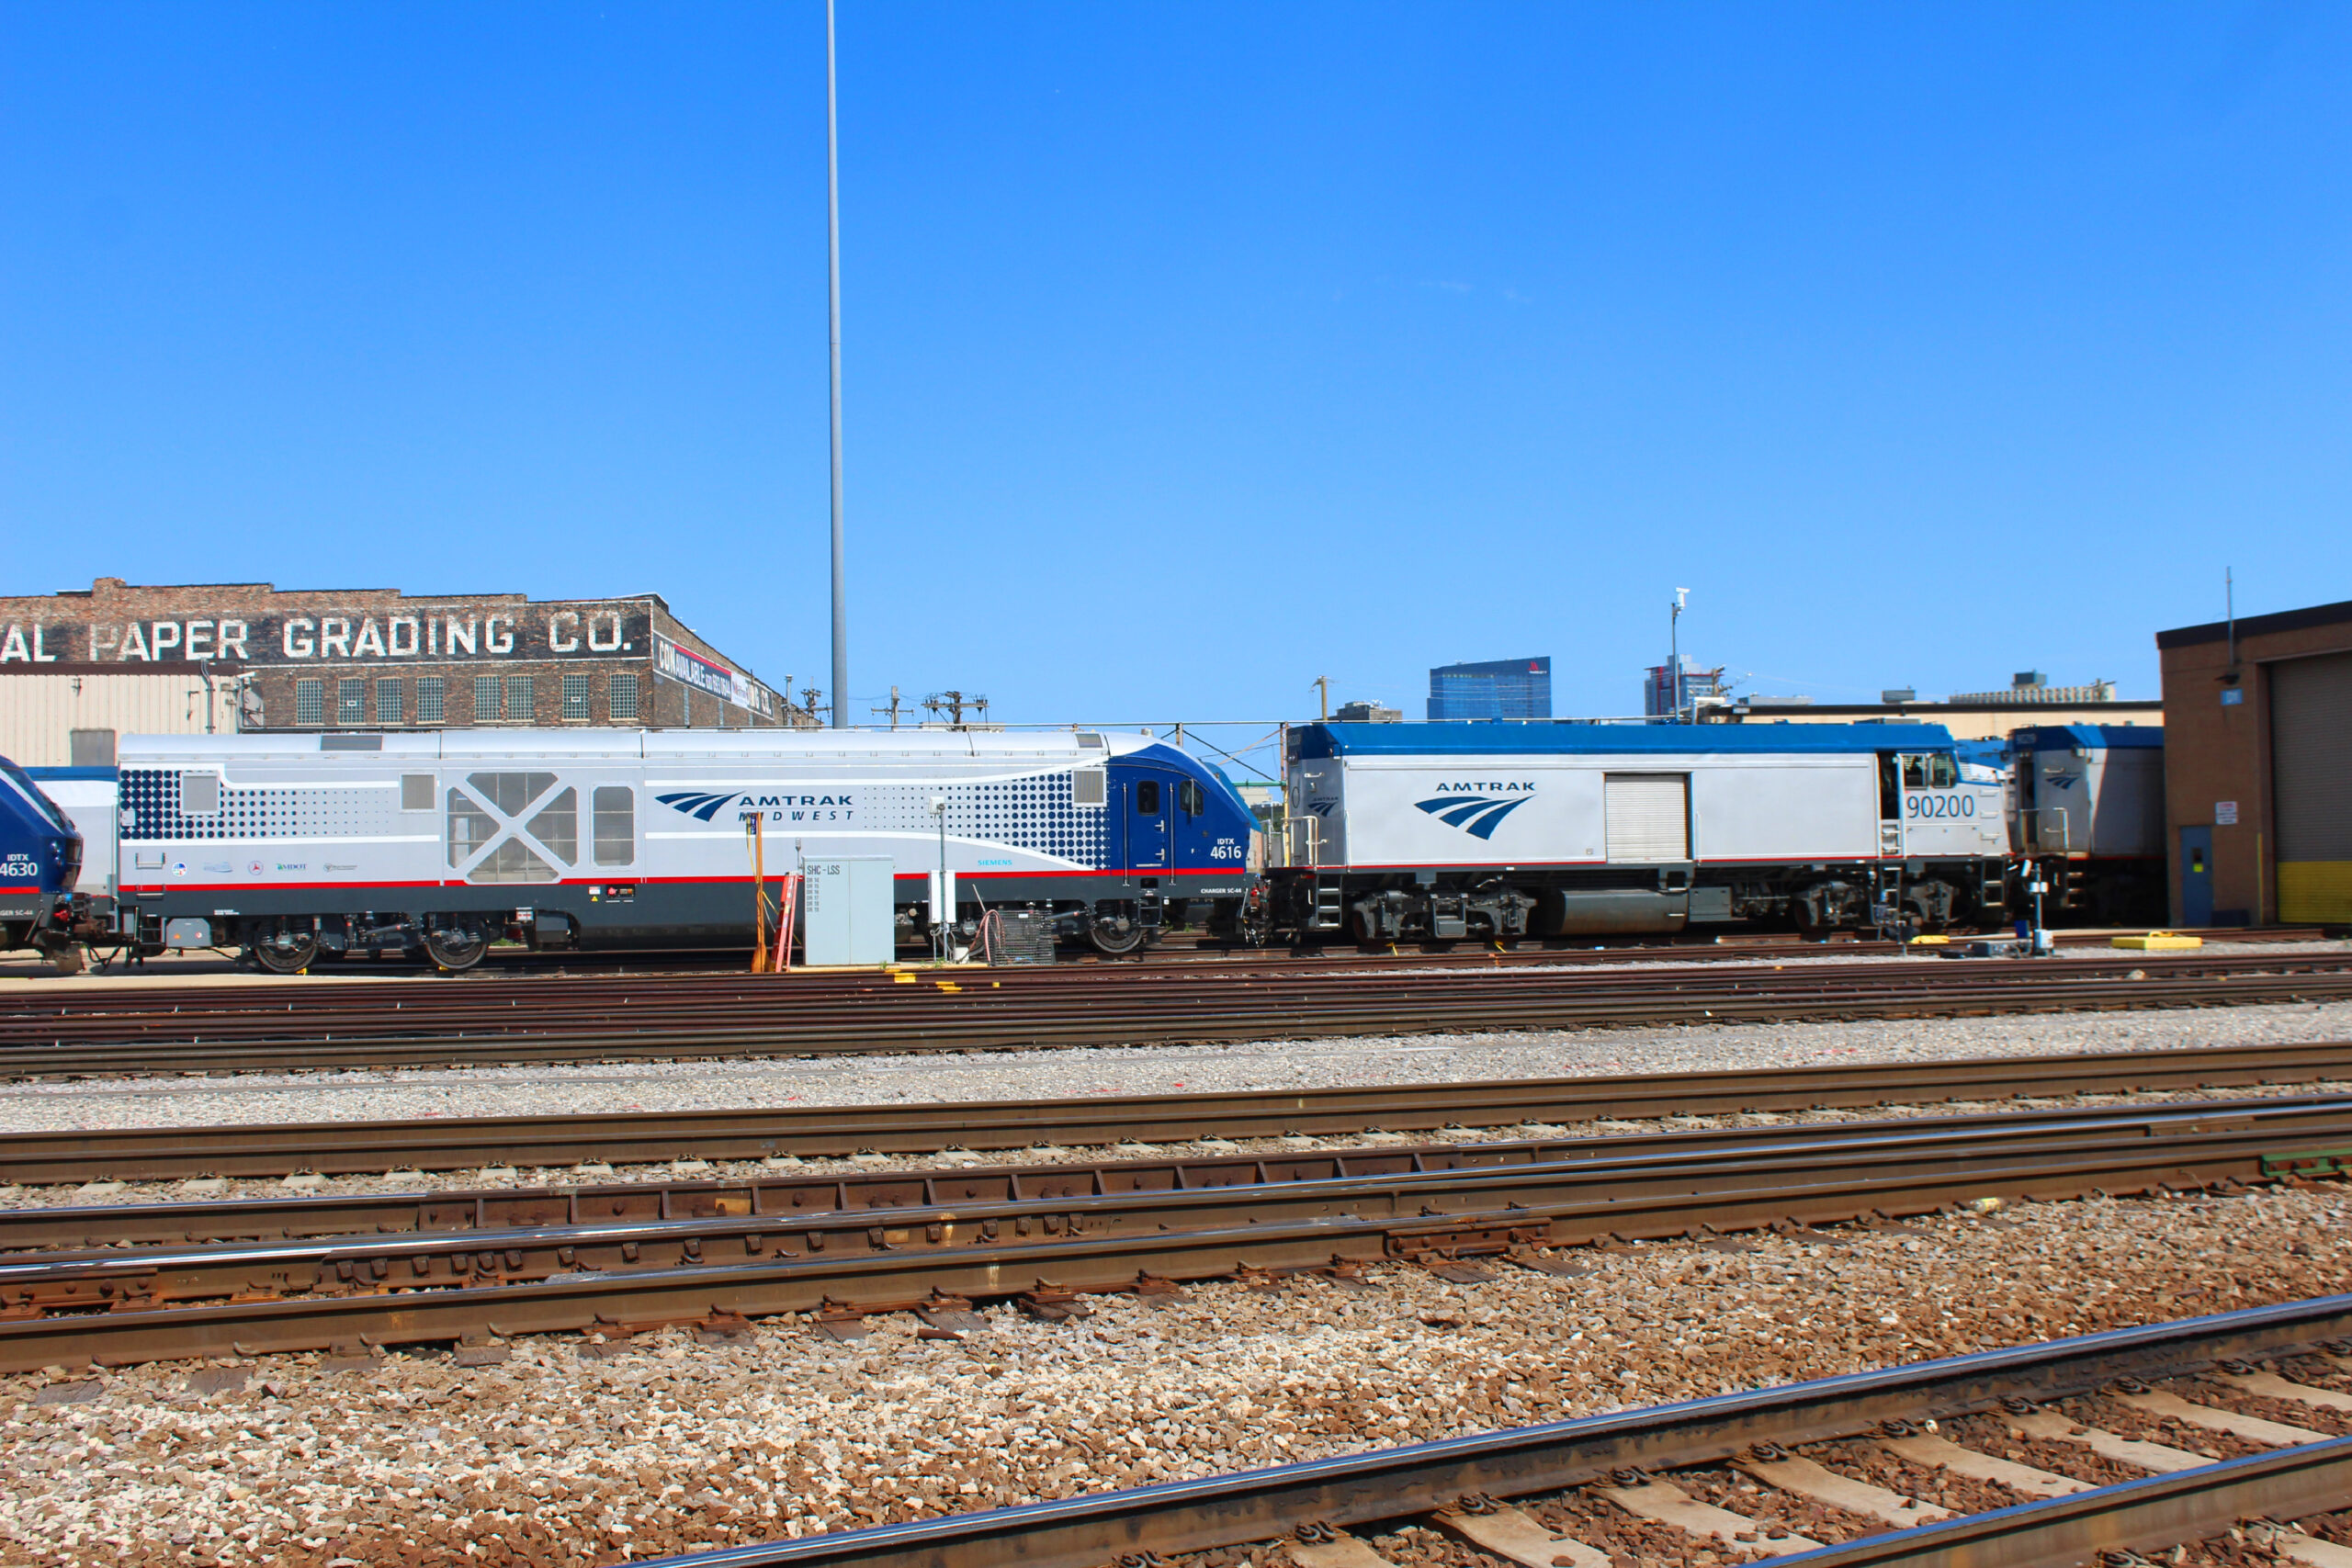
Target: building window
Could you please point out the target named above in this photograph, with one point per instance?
(387, 701)
(521, 706)
(576, 697)
(351, 700)
(428, 699)
(623, 706)
(92, 748)
(486, 699)
(309, 702)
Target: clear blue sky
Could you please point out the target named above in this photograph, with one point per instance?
(1195, 351)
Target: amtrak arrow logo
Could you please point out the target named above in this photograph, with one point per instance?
(702, 807)
(1477, 815)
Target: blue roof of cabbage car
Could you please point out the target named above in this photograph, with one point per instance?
(1473, 739)
(2092, 737)
(1984, 753)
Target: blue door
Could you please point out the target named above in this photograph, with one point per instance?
(2197, 876)
(1148, 803)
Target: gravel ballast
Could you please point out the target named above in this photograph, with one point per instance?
(403, 1094)
(672, 1443)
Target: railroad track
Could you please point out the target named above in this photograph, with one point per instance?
(454, 1217)
(265, 1011)
(942, 1240)
(505, 962)
(786, 1132)
(1725, 1475)
(639, 1020)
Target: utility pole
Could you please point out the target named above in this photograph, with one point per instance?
(955, 703)
(833, 281)
(893, 709)
(1323, 684)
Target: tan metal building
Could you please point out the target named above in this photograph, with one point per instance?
(2258, 768)
(1990, 717)
(67, 716)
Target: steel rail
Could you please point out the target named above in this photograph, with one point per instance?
(2151, 1514)
(821, 1131)
(590, 968)
(979, 1019)
(769, 1195)
(383, 1288)
(369, 1011)
(1176, 949)
(482, 989)
(2054, 1159)
(1400, 1483)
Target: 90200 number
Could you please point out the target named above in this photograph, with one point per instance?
(1943, 806)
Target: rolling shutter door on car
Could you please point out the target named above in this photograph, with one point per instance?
(1648, 815)
(2311, 772)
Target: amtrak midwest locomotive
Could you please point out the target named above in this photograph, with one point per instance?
(299, 847)
(295, 846)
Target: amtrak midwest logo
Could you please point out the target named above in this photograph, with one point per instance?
(1477, 808)
(703, 806)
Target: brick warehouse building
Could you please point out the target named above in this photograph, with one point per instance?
(376, 659)
(2258, 768)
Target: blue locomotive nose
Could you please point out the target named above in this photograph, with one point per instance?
(40, 853)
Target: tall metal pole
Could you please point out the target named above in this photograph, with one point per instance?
(1674, 650)
(833, 279)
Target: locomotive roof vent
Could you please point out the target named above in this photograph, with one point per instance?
(1089, 740)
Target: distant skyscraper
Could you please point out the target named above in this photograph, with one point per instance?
(1500, 688)
(1663, 697)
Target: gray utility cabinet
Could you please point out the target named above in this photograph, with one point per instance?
(847, 913)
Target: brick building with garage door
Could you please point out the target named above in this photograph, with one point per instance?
(2258, 768)
(376, 659)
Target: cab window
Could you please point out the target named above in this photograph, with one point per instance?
(1915, 772)
(1190, 797)
(1147, 798)
(1942, 773)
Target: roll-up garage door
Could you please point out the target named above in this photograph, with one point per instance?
(2311, 772)
(1648, 815)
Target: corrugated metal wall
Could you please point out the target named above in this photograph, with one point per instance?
(39, 713)
(2310, 759)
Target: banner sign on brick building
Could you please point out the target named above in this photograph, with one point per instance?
(703, 675)
(377, 658)
(352, 636)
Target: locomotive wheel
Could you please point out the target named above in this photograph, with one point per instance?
(455, 949)
(1117, 943)
(286, 955)
(63, 956)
